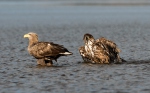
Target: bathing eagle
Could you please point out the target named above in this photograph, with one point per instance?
(101, 50)
(44, 52)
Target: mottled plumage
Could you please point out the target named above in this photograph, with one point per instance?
(84, 55)
(45, 52)
(100, 50)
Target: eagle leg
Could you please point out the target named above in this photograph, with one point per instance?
(49, 62)
(41, 62)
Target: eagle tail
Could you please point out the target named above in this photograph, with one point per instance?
(66, 53)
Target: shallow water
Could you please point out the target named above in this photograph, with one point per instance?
(128, 26)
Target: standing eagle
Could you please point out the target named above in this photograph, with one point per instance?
(44, 52)
(101, 50)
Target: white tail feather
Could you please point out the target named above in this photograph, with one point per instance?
(66, 53)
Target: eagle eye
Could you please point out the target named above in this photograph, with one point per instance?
(87, 38)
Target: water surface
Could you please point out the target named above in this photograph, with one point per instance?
(127, 26)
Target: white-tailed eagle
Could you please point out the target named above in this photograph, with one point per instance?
(101, 50)
(44, 52)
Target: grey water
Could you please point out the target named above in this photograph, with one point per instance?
(66, 23)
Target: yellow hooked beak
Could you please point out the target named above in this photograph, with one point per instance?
(26, 35)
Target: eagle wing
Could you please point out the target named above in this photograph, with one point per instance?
(82, 51)
(45, 49)
(111, 48)
(101, 53)
(110, 44)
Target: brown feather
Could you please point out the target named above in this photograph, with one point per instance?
(84, 55)
(101, 54)
(112, 49)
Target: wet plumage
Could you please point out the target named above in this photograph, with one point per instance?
(101, 50)
(44, 52)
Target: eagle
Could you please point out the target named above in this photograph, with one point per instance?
(45, 52)
(100, 50)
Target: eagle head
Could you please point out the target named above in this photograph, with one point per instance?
(33, 37)
(88, 38)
